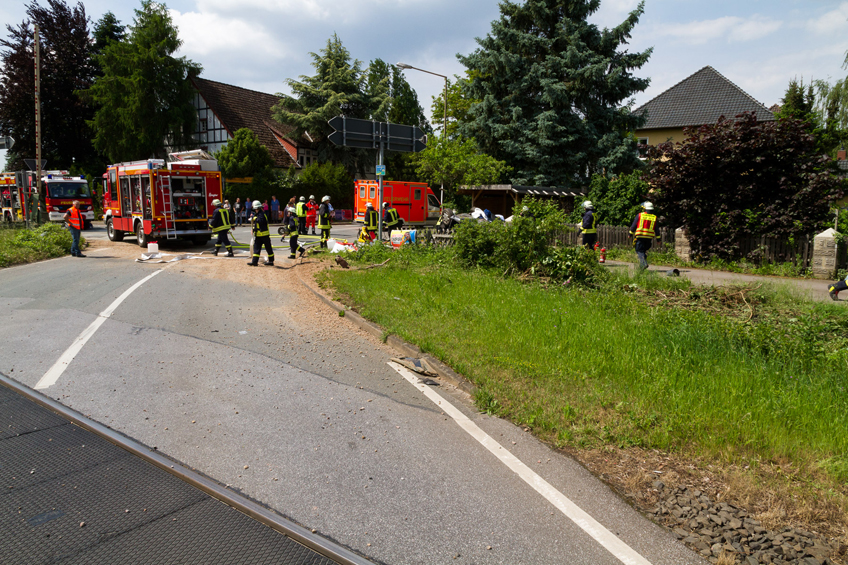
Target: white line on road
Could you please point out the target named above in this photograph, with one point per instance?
(603, 536)
(52, 375)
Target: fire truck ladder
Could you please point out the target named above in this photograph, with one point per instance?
(167, 209)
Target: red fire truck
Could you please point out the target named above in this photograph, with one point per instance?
(414, 201)
(60, 191)
(153, 199)
(8, 198)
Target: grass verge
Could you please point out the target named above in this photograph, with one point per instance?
(19, 245)
(748, 378)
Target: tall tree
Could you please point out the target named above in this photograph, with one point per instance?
(108, 29)
(243, 156)
(144, 98)
(65, 53)
(339, 87)
(798, 102)
(554, 91)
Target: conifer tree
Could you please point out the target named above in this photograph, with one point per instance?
(339, 87)
(554, 91)
(144, 97)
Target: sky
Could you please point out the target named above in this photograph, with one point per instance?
(258, 44)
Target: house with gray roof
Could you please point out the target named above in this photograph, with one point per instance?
(700, 99)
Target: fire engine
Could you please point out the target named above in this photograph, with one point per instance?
(60, 190)
(153, 199)
(414, 201)
(8, 198)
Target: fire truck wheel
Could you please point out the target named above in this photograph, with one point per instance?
(114, 235)
(140, 235)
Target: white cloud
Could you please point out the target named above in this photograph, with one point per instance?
(731, 29)
(206, 33)
(833, 21)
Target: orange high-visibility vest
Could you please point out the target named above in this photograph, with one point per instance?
(645, 225)
(75, 219)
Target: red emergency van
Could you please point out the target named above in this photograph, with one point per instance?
(414, 201)
(153, 199)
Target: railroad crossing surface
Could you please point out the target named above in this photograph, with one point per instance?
(242, 375)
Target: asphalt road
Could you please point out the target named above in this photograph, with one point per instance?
(237, 380)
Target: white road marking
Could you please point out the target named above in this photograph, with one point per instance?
(53, 374)
(603, 536)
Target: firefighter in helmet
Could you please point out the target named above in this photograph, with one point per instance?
(311, 213)
(222, 222)
(371, 220)
(291, 226)
(588, 225)
(261, 236)
(324, 221)
(642, 230)
(391, 219)
(300, 210)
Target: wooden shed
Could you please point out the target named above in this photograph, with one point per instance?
(501, 198)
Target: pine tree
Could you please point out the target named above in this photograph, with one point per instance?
(66, 67)
(339, 87)
(108, 29)
(144, 97)
(554, 91)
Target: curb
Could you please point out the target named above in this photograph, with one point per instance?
(407, 349)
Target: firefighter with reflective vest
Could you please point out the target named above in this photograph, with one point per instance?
(324, 220)
(371, 220)
(643, 230)
(261, 236)
(291, 231)
(300, 210)
(588, 227)
(221, 223)
(391, 219)
(75, 223)
(311, 214)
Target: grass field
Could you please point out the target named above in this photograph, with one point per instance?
(18, 245)
(742, 375)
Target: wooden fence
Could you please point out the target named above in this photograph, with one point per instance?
(757, 250)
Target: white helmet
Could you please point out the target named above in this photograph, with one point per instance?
(385, 204)
(587, 204)
(369, 205)
(257, 204)
(325, 199)
(216, 202)
(648, 206)
(303, 199)
(525, 209)
(312, 197)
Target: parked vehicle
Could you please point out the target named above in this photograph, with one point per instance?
(60, 190)
(153, 199)
(414, 201)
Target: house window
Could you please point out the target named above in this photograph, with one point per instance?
(204, 125)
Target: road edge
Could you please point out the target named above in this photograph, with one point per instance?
(407, 349)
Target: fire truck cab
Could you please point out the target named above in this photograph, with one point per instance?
(60, 191)
(414, 201)
(153, 199)
(9, 198)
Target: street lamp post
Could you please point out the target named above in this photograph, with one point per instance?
(445, 131)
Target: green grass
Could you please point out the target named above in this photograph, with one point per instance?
(19, 245)
(618, 365)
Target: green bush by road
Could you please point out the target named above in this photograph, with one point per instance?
(744, 374)
(18, 245)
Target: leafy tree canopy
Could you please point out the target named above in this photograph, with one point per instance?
(743, 178)
(554, 91)
(617, 200)
(798, 102)
(243, 156)
(339, 87)
(457, 162)
(144, 98)
(458, 107)
(327, 179)
(65, 68)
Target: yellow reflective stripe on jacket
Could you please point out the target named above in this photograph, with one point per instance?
(393, 216)
(592, 229)
(225, 220)
(371, 220)
(645, 226)
(300, 209)
(262, 233)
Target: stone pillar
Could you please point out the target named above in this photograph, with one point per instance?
(681, 244)
(824, 255)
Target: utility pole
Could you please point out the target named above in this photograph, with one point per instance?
(36, 214)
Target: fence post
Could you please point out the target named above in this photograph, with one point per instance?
(824, 255)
